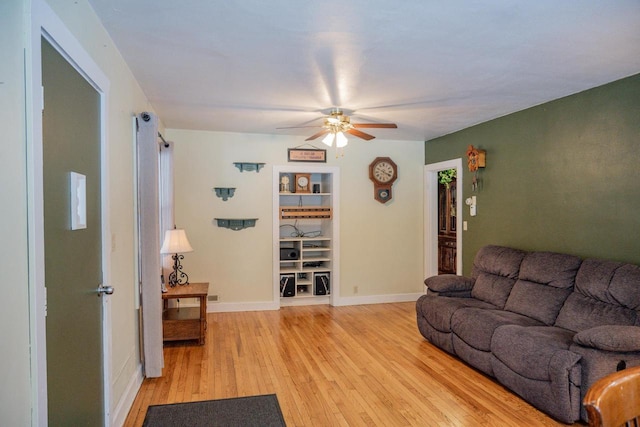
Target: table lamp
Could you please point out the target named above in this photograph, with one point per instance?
(176, 243)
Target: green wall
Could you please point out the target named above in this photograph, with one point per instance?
(562, 176)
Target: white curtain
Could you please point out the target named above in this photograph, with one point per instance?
(167, 212)
(148, 160)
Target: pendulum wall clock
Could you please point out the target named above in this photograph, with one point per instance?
(383, 172)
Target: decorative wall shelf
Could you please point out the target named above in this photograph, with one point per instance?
(248, 166)
(236, 223)
(224, 192)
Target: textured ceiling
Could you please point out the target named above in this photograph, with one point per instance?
(432, 67)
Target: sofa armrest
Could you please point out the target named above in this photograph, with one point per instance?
(450, 283)
(610, 338)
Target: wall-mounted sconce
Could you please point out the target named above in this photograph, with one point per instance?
(471, 202)
(224, 192)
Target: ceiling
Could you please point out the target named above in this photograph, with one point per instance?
(432, 67)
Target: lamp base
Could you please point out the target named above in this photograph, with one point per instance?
(177, 276)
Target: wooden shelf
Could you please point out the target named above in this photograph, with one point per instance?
(181, 313)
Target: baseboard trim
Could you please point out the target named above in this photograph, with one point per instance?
(225, 307)
(377, 299)
(126, 401)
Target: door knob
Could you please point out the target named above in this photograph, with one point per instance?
(105, 290)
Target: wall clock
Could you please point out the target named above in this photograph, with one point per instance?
(303, 183)
(383, 172)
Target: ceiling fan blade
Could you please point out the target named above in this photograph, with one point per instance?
(318, 135)
(299, 127)
(374, 125)
(360, 134)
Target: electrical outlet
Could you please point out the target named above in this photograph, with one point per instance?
(212, 298)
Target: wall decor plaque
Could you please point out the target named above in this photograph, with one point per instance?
(307, 155)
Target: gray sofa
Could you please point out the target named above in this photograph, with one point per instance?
(545, 325)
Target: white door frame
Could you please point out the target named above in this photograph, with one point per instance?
(45, 23)
(431, 215)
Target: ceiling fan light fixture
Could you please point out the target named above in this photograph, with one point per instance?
(341, 140)
(329, 139)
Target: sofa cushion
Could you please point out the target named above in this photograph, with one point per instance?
(545, 281)
(492, 289)
(610, 338)
(581, 312)
(550, 268)
(536, 300)
(495, 270)
(606, 293)
(531, 351)
(475, 326)
(449, 283)
(438, 310)
(498, 260)
(610, 282)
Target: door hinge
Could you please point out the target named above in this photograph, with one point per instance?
(45, 301)
(42, 98)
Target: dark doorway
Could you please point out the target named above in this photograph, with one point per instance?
(447, 222)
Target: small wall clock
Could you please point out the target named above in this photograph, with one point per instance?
(383, 172)
(303, 183)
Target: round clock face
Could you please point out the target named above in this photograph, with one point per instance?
(383, 172)
(285, 179)
(303, 181)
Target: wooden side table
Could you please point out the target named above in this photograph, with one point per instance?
(185, 323)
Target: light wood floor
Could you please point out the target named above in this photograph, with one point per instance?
(329, 366)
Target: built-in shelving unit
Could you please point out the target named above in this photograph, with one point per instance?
(306, 236)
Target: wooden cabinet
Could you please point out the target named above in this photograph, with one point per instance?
(305, 235)
(185, 323)
(447, 228)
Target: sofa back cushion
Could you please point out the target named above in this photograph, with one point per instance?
(606, 293)
(495, 270)
(545, 281)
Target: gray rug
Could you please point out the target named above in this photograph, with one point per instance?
(249, 411)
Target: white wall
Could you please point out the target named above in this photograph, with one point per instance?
(381, 245)
(15, 388)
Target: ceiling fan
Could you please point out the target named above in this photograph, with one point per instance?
(337, 124)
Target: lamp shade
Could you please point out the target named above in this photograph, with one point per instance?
(341, 140)
(329, 139)
(175, 242)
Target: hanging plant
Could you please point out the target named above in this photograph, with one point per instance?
(446, 177)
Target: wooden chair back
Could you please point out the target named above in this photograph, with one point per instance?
(614, 400)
